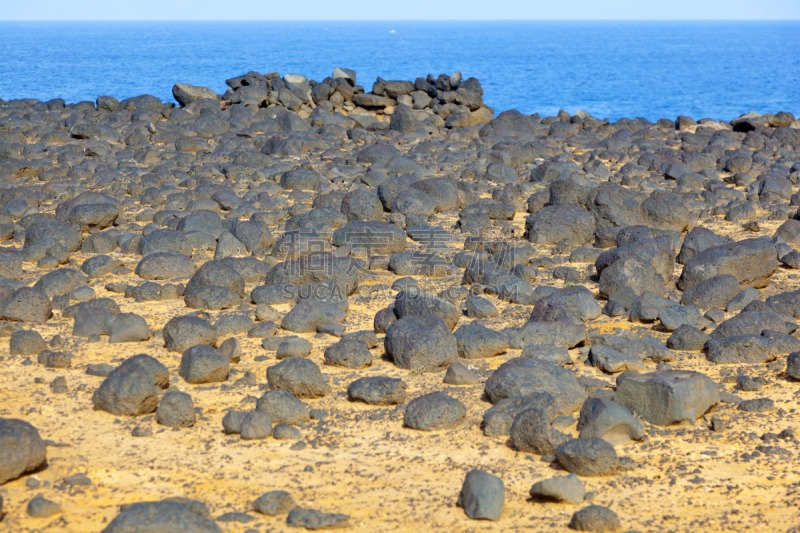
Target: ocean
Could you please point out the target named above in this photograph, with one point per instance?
(613, 70)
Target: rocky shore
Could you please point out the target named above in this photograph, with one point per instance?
(306, 304)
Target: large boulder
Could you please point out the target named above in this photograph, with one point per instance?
(22, 450)
(318, 267)
(578, 301)
(632, 273)
(283, 407)
(178, 515)
(404, 120)
(377, 390)
(607, 420)
(300, 376)
(698, 240)
(362, 204)
(712, 292)
(752, 262)
(482, 496)
(413, 302)
(164, 240)
(308, 314)
(665, 211)
(216, 274)
(557, 223)
(130, 389)
(667, 397)
(658, 253)
(742, 349)
(588, 457)
(183, 332)
(752, 323)
(348, 353)
(614, 205)
(531, 432)
(785, 303)
(204, 364)
(476, 341)
(522, 376)
(562, 333)
(164, 265)
(370, 238)
(434, 411)
(497, 420)
(49, 228)
(27, 304)
(185, 94)
(421, 343)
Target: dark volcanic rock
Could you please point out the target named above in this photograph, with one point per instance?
(559, 333)
(299, 376)
(631, 273)
(793, 365)
(786, 303)
(595, 518)
(497, 419)
(26, 305)
(421, 343)
(256, 425)
(164, 265)
(308, 314)
(349, 354)
(607, 420)
(476, 341)
(687, 338)
(22, 450)
(414, 303)
(667, 397)
(370, 237)
(712, 292)
(458, 374)
(434, 411)
(588, 457)
(128, 327)
(176, 409)
(482, 496)
(612, 361)
(283, 407)
(377, 390)
(274, 503)
(743, 349)
(161, 517)
(522, 376)
(557, 223)
(531, 432)
(203, 364)
(183, 332)
(26, 342)
(752, 262)
(568, 489)
(130, 389)
(657, 252)
(752, 323)
(39, 507)
(549, 353)
(313, 519)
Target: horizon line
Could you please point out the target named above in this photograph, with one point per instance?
(415, 20)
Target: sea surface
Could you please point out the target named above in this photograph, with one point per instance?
(613, 70)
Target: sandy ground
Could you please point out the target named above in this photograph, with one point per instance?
(360, 460)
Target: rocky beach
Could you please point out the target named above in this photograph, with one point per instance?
(389, 307)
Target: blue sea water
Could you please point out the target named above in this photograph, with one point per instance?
(612, 69)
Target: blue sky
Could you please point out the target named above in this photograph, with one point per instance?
(406, 10)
